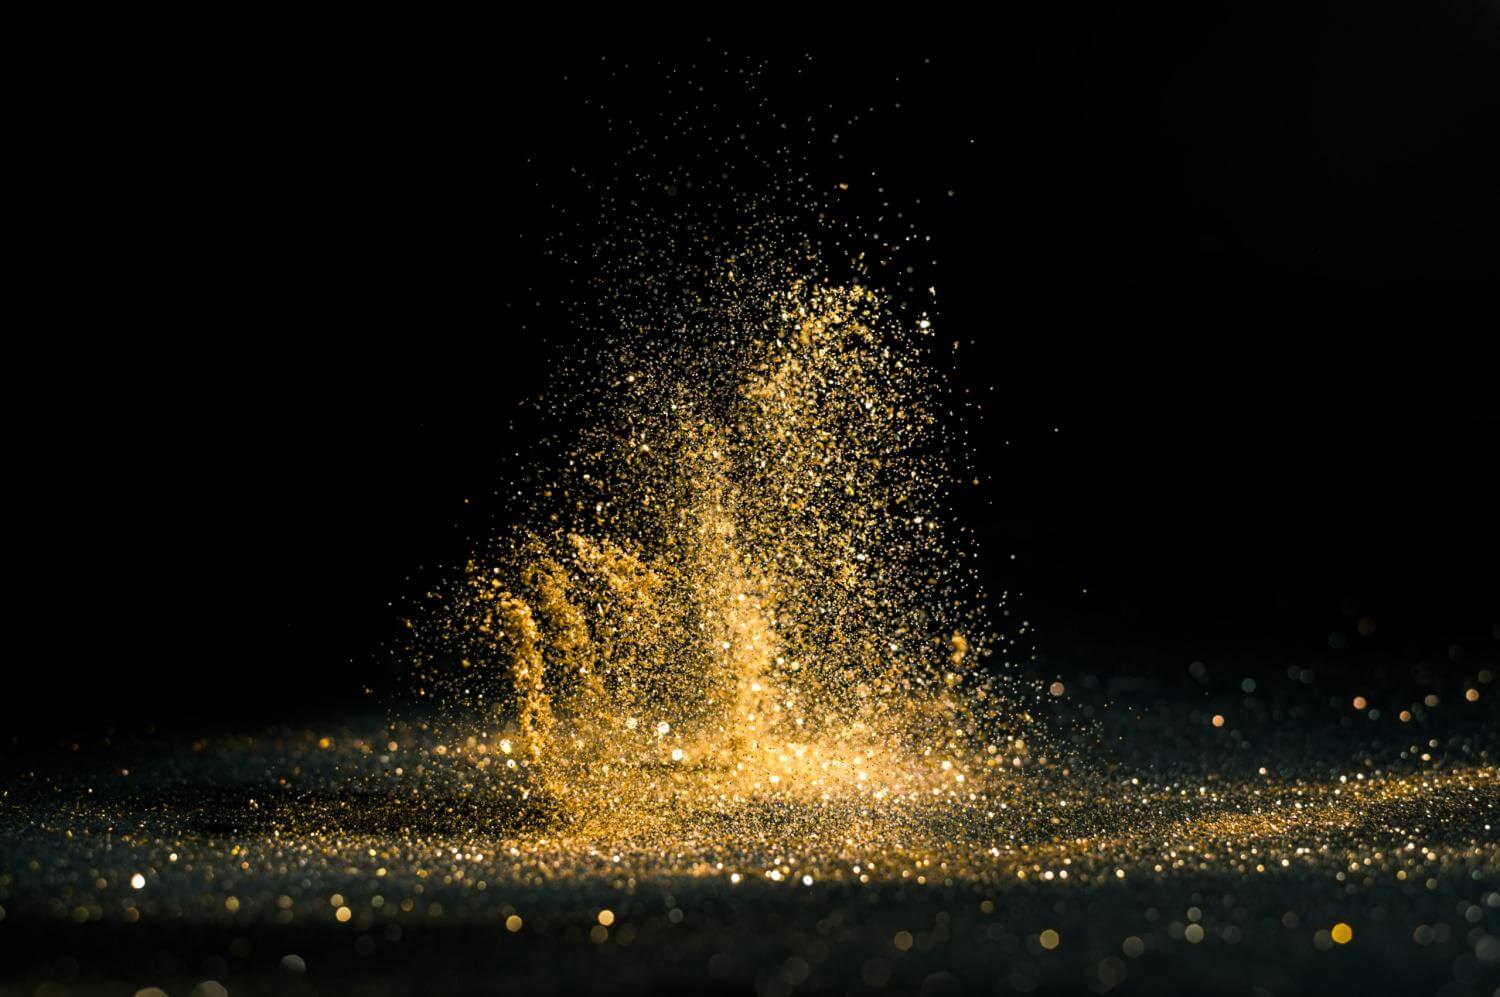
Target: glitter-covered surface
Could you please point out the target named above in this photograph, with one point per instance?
(1339, 852)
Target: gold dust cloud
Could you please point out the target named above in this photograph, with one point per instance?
(740, 587)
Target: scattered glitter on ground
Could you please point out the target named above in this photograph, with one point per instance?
(1170, 860)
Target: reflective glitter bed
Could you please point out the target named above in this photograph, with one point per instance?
(332, 861)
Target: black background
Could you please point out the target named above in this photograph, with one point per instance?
(1230, 276)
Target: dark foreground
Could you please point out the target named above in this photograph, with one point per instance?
(1303, 847)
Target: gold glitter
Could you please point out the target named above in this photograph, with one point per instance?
(747, 547)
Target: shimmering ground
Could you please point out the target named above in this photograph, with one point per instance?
(1293, 856)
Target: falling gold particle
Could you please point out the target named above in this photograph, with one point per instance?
(1049, 939)
(1342, 933)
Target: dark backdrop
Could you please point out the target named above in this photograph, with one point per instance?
(1229, 282)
